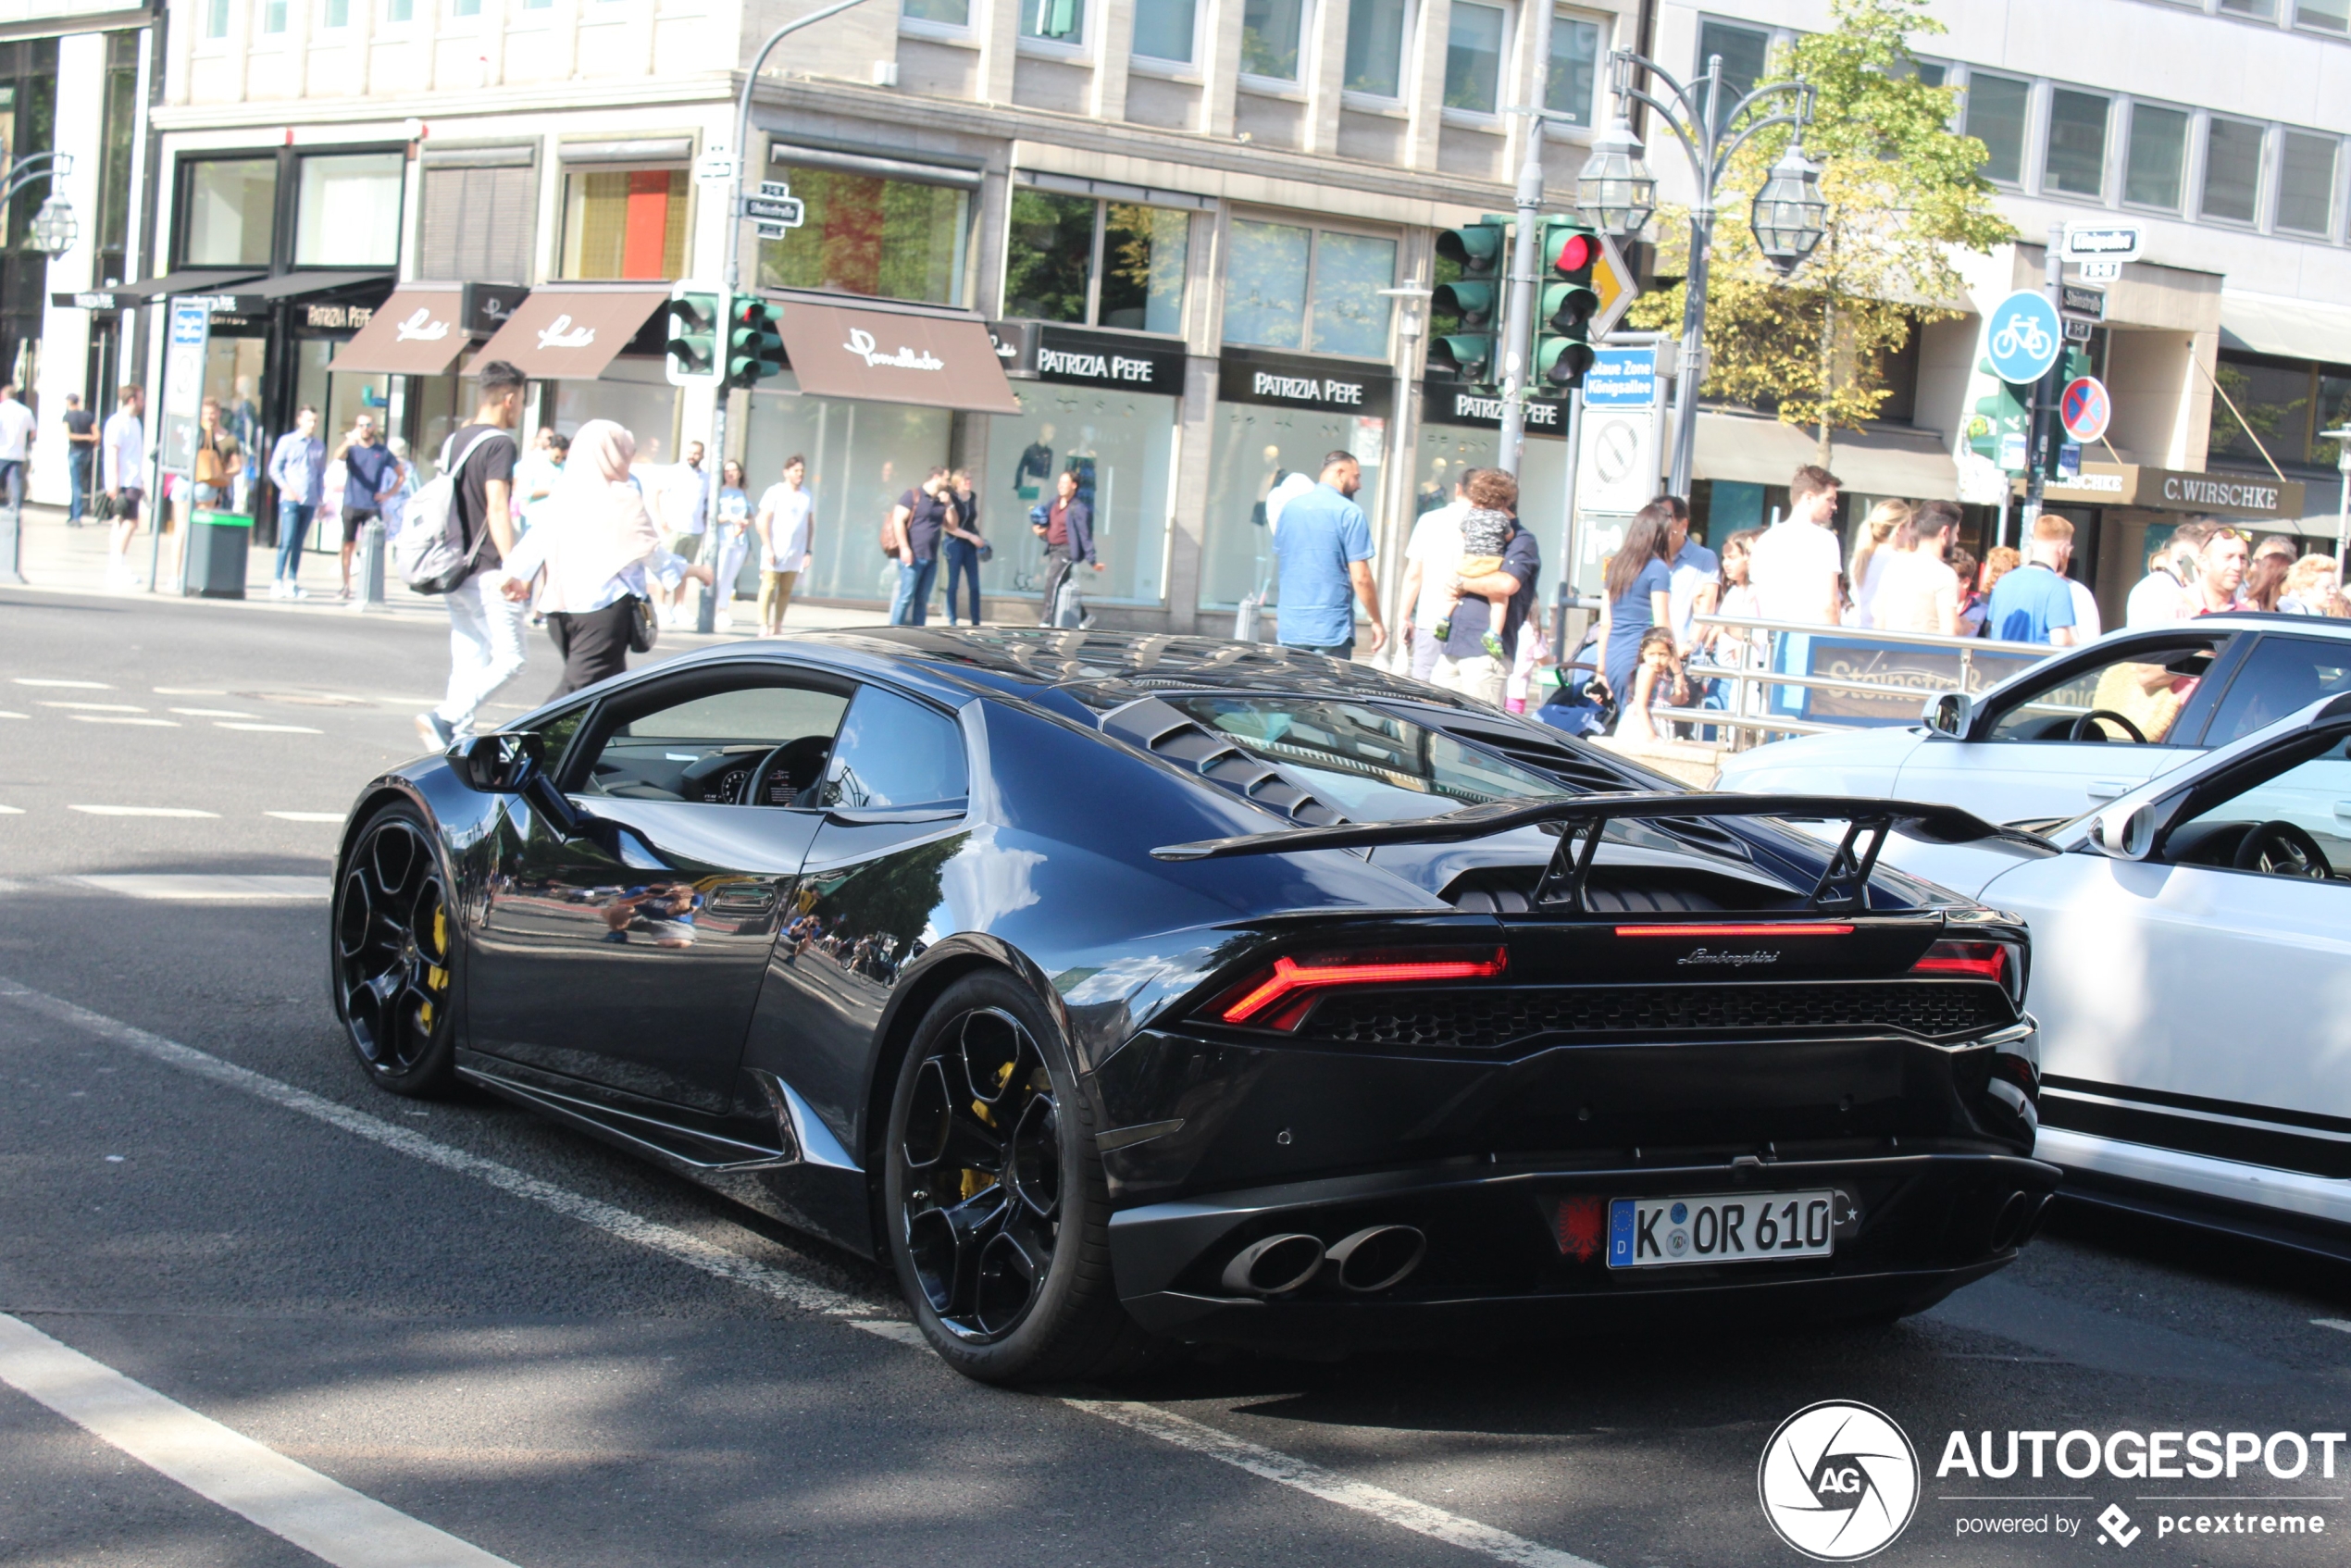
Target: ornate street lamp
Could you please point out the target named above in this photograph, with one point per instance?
(1788, 214)
(1616, 192)
(54, 228)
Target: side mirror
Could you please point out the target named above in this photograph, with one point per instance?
(2124, 832)
(497, 765)
(1951, 713)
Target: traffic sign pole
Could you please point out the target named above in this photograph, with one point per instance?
(2041, 426)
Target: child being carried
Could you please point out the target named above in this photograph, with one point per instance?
(1487, 528)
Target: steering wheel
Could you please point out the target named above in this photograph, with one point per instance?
(2080, 729)
(797, 763)
(2283, 849)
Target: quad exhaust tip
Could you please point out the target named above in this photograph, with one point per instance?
(1274, 1266)
(2008, 1228)
(1377, 1257)
(1373, 1259)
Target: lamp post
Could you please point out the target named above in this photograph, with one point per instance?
(1616, 193)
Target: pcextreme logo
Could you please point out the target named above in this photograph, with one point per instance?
(1838, 1481)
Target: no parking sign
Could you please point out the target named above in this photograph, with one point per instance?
(2086, 408)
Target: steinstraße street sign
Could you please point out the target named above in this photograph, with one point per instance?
(2086, 408)
(2022, 336)
(1612, 281)
(785, 212)
(2111, 241)
(2075, 300)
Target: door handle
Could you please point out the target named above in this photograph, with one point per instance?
(2106, 789)
(742, 898)
(2342, 810)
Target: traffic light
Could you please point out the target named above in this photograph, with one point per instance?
(755, 347)
(1999, 418)
(1564, 331)
(1474, 295)
(695, 311)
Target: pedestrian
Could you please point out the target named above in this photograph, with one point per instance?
(786, 529)
(216, 464)
(1637, 592)
(371, 473)
(16, 445)
(964, 545)
(1877, 532)
(594, 547)
(81, 450)
(2265, 578)
(2311, 588)
(1486, 530)
(1432, 560)
(1323, 551)
(1697, 574)
(1658, 682)
(1972, 600)
(2033, 604)
(730, 528)
(122, 451)
(395, 505)
(1796, 565)
(2221, 569)
(2278, 544)
(1734, 599)
(915, 524)
(682, 498)
(1068, 533)
(2164, 595)
(485, 624)
(536, 473)
(298, 470)
(1465, 665)
(1917, 590)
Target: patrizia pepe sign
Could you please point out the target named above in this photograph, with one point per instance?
(1330, 386)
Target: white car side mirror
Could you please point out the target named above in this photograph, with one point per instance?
(1951, 713)
(2124, 832)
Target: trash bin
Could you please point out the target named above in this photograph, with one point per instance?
(217, 544)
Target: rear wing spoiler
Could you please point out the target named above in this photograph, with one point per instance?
(1583, 819)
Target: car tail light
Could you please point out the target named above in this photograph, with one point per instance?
(1277, 997)
(1759, 928)
(1966, 961)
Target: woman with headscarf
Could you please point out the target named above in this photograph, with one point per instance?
(593, 542)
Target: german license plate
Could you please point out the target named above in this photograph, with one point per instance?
(1751, 1227)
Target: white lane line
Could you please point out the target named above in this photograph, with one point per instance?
(1178, 1431)
(272, 728)
(215, 713)
(11, 810)
(2340, 1325)
(10, 713)
(94, 707)
(307, 815)
(324, 1517)
(143, 811)
(204, 890)
(74, 685)
(115, 718)
(188, 692)
(1360, 1496)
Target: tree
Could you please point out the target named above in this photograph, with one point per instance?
(1902, 190)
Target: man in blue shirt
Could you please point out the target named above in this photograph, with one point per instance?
(1324, 543)
(2032, 602)
(298, 470)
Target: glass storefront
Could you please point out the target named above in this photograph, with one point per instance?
(862, 457)
(1122, 447)
(863, 234)
(1256, 445)
(635, 394)
(1445, 453)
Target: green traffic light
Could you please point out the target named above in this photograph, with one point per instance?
(755, 347)
(1468, 356)
(692, 338)
(1562, 361)
(1567, 307)
(1473, 302)
(1477, 248)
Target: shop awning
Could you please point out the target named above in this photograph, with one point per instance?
(126, 296)
(2291, 329)
(571, 333)
(1758, 450)
(895, 356)
(416, 332)
(254, 297)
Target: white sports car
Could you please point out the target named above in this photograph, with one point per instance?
(2192, 977)
(2086, 726)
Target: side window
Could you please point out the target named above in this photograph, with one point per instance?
(2135, 700)
(2281, 676)
(701, 742)
(895, 753)
(2314, 795)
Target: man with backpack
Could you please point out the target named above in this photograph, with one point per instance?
(485, 626)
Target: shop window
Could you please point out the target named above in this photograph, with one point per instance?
(1254, 448)
(1063, 22)
(228, 212)
(1111, 263)
(2272, 401)
(1121, 446)
(887, 238)
(2157, 153)
(1744, 52)
(1474, 57)
(476, 224)
(1572, 87)
(348, 213)
(2306, 183)
(625, 223)
(1375, 32)
(862, 457)
(1168, 30)
(2075, 161)
(634, 393)
(1272, 34)
(2231, 169)
(946, 13)
(1997, 106)
(2326, 16)
(1269, 302)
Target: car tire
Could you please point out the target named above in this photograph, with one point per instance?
(392, 936)
(995, 1205)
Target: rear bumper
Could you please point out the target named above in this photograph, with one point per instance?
(1496, 1262)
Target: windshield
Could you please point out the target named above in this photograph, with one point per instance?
(1372, 766)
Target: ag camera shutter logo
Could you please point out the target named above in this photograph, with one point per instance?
(1838, 1481)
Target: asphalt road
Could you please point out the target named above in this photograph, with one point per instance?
(479, 1322)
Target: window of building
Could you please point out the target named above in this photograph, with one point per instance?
(2075, 160)
(1168, 30)
(1292, 286)
(1934, 73)
(348, 210)
(1572, 87)
(1108, 264)
(1744, 52)
(216, 19)
(1273, 34)
(338, 13)
(400, 10)
(228, 212)
(626, 222)
(2327, 16)
(2333, 413)
(465, 8)
(1375, 47)
(475, 223)
(1063, 22)
(1144, 252)
(2231, 169)
(273, 15)
(2271, 400)
(948, 13)
(119, 119)
(1474, 57)
(2306, 183)
(1048, 257)
(2158, 152)
(2267, 10)
(863, 234)
(1997, 106)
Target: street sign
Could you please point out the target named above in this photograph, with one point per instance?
(2077, 330)
(775, 190)
(715, 167)
(2013, 454)
(2110, 242)
(770, 230)
(1617, 468)
(2101, 271)
(1622, 377)
(2075, 300)
(1612, 281)
(2021, 337)
(2086, 408)
(785, 212)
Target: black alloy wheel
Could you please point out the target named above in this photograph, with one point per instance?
(395, 934)
(995, 1203)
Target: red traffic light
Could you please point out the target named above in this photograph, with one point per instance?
(1576, 253)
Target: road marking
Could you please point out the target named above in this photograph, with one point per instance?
(95, 707)
(292, 1501)
(11, 810)
(206, 890)
(73, 685)
(215, 713)
(307, 815)
(1178, 1431)
(188, 692)
(2340, 1325)
(7, 713)
(117, 718)
(143, 811)
(272, 728)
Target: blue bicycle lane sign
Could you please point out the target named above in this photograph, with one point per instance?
(2022, 337)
